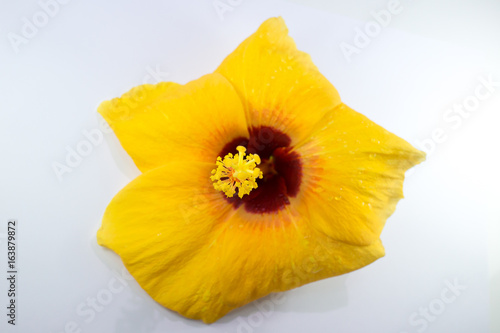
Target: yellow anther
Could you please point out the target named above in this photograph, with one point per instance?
(236, 172)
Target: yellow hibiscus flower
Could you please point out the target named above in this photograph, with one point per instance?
(255, 179)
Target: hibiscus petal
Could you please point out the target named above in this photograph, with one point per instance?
(202, 258)
(353, 175)
(167, 121)
(280, 86)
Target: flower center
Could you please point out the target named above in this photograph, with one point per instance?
(281, 170)
(236, 172)
(267, 168)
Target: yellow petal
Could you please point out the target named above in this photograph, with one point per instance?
(159, 222)
(279, 85)
(202, 258)
(353, 175)
(160, 123)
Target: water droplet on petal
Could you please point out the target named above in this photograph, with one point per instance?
(318, 189)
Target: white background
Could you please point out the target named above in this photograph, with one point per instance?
(431, 55)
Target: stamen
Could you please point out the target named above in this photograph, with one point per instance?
(236, 172)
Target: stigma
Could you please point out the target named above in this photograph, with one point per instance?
(236, 173)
